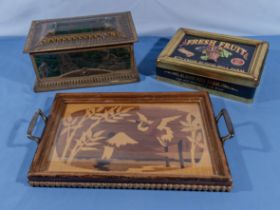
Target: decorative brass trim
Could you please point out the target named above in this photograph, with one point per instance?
(77, 37)
(89, 81)
(214, 188)
(250, 79)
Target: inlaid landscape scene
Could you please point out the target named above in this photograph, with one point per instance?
(131, 138)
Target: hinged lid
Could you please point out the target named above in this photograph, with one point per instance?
(220, 57)
(80, 32)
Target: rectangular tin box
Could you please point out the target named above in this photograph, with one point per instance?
(223, 65)
(131, 140)
(82, 51)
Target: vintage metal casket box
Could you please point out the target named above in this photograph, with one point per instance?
(82, 51)
(131, 140)
(224, 65)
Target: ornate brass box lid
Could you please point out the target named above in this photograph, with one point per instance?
(132, 140)
(220, 57)
(80, 32)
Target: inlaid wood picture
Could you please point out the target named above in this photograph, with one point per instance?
(131, 140)
(152, 138)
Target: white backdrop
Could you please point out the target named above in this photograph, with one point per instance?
(152, 17)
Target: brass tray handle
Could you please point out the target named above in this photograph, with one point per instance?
(229, 125)
(32, 124)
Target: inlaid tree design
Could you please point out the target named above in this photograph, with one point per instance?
(193, 130)
(106, 134)
(88, 139)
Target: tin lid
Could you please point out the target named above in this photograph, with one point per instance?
(220, 57)
(80, 32)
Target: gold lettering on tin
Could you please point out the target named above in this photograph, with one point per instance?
(234, 48)
(225, 45)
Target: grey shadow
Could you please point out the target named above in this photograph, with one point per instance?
(218, 103)
(26, 144)
(147, 66)
(270, 81)
(234, 149)
(238, 167)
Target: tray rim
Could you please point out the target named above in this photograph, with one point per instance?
(37, 175)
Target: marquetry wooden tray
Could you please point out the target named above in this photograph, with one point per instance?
(131, 140)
